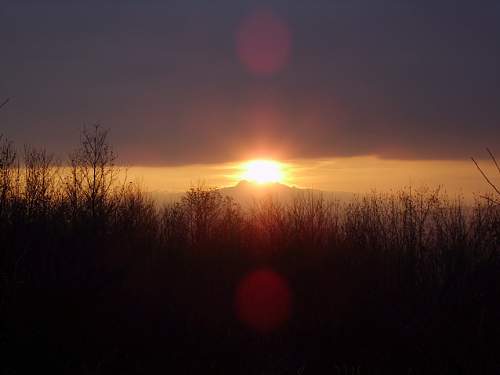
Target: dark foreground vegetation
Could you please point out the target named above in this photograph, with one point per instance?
(95, 279)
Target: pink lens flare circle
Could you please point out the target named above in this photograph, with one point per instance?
(263, 43)
(263, 301)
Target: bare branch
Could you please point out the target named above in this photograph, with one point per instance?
(486, 177)
(4, 102)
(493, 158)
(495, 202)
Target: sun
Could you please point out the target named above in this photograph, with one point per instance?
(262, 171)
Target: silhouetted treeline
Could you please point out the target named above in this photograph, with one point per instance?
(95, 278)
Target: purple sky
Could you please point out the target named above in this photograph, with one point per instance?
(173, 80)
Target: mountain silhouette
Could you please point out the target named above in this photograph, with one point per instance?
(246, 192)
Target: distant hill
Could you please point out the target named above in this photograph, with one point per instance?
(246, 193)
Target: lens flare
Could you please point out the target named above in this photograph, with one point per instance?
(263, 301)
(263, 43)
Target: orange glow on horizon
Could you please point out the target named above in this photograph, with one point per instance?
(358, 175)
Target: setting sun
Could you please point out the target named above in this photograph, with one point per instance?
(262, 171)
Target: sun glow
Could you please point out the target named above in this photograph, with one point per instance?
(262, 171)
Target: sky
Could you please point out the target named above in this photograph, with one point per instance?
(208, 82)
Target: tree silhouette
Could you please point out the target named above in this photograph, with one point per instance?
(39, 180)
(92, 173)
(94, 277)
(7, 170)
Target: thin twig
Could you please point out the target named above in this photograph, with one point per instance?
(4, 102)
(493, 158)
(490, 199)
(486, 177)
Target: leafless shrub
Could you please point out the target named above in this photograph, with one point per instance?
(39, 180)
(7, 170)
(204, 211)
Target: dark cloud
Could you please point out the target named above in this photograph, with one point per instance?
(400, 79)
